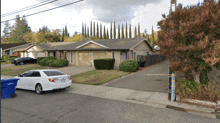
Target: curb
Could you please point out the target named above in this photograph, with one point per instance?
(131, 74)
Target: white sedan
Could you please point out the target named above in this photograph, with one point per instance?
(43, 80)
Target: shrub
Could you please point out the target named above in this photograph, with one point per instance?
(107, 63)
(59, 63)
(51, 58)
(39, 59)
(49, 61)
(5, 57)
(128, 66)
(192, 90)
(43, 62)
(13, 57)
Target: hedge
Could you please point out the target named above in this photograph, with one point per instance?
(5, 57)
(59, 63)
(39, 59)
(128, 66)
(49, 62)
(107, 63)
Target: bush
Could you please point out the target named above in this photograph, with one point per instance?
(192, 90)
(107, 63)
(128, 66)
(51, 58)
(59, 63)
(43, 62)
(49, 61)
(13, 57)
(5, 57)
(39, 59)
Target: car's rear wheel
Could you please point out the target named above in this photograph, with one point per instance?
(38, 89)
(21, 63)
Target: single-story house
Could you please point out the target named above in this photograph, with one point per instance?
(8, 49)
(83, 53)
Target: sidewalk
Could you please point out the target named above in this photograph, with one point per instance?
(155, 99)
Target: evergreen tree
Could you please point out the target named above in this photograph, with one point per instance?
(145, 33)
(135, 32)
(114, 31)
(107, 34)
(111, 31)
(152, 37)
(139, 35)
(66, 32)
(100, 31)
(91, 29)
(7, 30)
(85, 31)
(104, 33)
(122, 31)
(119, 36)
(94, 29)
(126, 33)
(63, 35)
(82, 30)
(97, 30)
(130, 32)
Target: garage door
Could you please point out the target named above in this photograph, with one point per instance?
(83, 58)
(41, 54)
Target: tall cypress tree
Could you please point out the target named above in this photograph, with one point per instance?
(91, 29)
(114, 31)
(63, 35)
(135, 32)
(126, 33)
(130, 32)
(66, 32)
(82, 30)
(119, 36)
(139, 35)
(94, 29)
(104, 33)
(100, 31)
(85, 31)
(97, 30)
(111, 31)
(107, 34)
(152, 37)
(122, 31)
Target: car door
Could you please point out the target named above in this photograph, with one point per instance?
(23, 81)
(35, 78)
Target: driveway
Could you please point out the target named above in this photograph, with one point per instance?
(7, 65)
(153, 79)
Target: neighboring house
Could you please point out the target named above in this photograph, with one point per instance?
(83, 53)
(8, 49)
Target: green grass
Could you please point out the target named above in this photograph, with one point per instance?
(3, 63)
(19, 69)
(97, 77)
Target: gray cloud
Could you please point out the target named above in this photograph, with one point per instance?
(108, 10)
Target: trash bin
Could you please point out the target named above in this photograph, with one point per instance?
(142, 62)
(8, 87)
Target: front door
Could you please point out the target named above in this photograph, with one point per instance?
(123, 56)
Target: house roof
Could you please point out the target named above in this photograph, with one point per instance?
(107, 44)
(22, 47)
(7, 46)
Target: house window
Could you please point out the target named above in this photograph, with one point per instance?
(113, 55)
(134, 55)
(54, 54)
(48, 53)
(148, 53)
(71, 56)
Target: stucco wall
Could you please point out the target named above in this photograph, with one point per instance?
(83, 58)
(73, 56)
(34, 48)
(142, 49)
(92, 45)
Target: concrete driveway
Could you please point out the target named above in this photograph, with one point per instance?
(152, 79)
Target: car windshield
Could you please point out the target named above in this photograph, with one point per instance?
(53, 73)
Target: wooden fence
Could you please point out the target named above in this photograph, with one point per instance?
(151, 59)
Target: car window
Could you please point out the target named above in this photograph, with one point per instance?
(29, 58)
(28, 74)
(53, 73)
(36, 74)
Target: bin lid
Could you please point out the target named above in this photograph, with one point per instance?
(9, 79)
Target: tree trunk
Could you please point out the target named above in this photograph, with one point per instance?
(196, 75)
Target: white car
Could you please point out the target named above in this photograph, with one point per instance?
(43, 80)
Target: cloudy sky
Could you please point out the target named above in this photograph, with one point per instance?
(145, 12)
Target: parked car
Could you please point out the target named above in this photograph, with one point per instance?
(23, 60)
(43, 80)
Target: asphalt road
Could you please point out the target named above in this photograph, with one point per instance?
(152, 79)
(62, 107)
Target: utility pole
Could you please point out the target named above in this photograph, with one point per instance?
(173, 6)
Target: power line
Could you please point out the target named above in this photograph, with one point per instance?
(27, 8)
(45, 10)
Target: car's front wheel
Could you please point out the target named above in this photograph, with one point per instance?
(38, 89)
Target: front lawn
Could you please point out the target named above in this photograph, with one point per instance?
(19, 69)
(97, 77)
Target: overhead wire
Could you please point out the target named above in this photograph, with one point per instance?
(45, 10)
(28, 8)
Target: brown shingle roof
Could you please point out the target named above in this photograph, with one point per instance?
(6, 46)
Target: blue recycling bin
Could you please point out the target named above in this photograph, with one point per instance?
(8, 87)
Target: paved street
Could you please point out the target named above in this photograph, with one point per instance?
(64, 107)
(153, 79)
